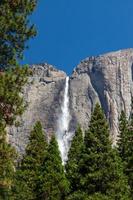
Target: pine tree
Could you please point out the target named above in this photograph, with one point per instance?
(11, 105)
(123, 136)
(100, 166)
(78, 195)
(27, 184)
(74, 155)
(7, 164)
(15, 30)
(54, 185)
(83, 196)
(125, 146)
(11, 85)
(129, 159)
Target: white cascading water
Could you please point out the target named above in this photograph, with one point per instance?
(63, 124)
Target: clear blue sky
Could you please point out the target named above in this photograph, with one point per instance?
(71, 30)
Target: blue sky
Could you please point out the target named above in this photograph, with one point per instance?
(71, 30)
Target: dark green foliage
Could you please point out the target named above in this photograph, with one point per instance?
(27, 184)
(99, 196)
(125, 146)
(55, 185)
(11, 84)
(11, 105)
(100, 166)
(79, 195)
(72, 168)
(7, 164)
(123, 138)
(15, 30)
(129, 158)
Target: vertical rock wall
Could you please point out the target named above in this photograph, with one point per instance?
(43, 96)
(106, 79)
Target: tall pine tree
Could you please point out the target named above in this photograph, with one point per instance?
(11, 105)
(72, 168)
(54, 183)
(123, 136)
(125, 146)
(129, 160)
(27, 183)
(7, 164)
(100, 166)
(15, 29)
(11, 85)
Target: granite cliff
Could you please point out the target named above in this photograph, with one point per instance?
(107, 79)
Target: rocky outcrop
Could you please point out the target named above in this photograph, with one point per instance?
(106, 79)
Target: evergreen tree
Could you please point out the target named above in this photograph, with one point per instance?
(78, 195)
(55, 184)
(14, 32)
(74, 155)
(83, 196)
(11, 105)
(7, 164)
(15, 29)
(125, 146)
(129, 160)
(27, 183)
(123, 136)
(100, 166)
(11, 85)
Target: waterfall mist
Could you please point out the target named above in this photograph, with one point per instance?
(63, 134)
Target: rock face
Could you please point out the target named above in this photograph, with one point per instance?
(43, 97)
(106, 79)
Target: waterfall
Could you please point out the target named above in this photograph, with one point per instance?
(63, 124)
